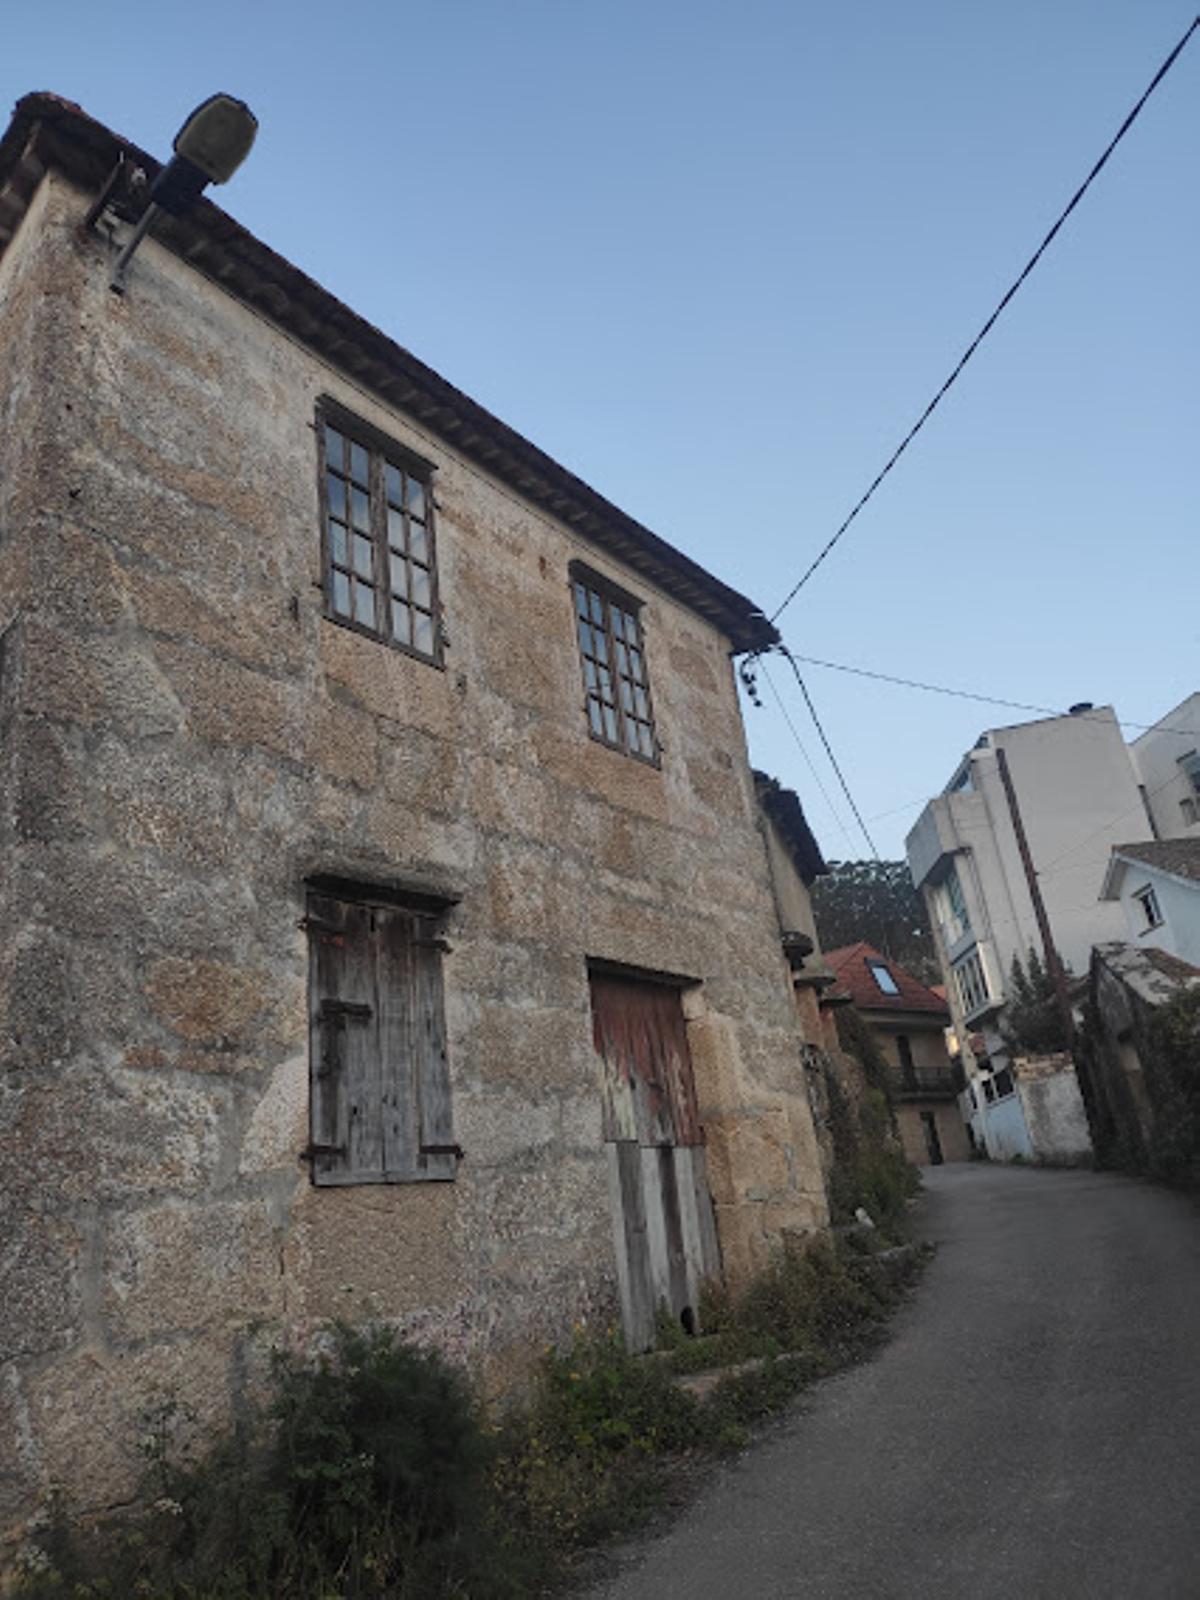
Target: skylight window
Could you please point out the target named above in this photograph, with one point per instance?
(883, 977)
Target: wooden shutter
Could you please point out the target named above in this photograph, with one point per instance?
(379, 1067)
(347, 1134)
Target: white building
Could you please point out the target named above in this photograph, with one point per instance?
(1075, 794)
(1167, 758)
(1157, 886)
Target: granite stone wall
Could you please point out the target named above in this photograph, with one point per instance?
(189, 740)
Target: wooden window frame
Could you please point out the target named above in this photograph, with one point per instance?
(380, 1104)
(612, 594)
(382, 452)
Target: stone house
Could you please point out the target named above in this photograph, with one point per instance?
(389, 923)
(909, 1023)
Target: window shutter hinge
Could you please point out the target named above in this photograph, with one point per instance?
(312, 1151)
(455, 1150)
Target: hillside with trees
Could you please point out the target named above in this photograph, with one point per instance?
(876, 901)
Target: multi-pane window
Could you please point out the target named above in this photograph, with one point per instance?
(616, 690)
(972, 982)
(379, 556)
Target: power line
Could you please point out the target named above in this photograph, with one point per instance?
(833, 761)
(984, 699)
(804, 752)
(991, 321)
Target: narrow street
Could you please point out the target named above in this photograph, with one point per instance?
(1032, 1429)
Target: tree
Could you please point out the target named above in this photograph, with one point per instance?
(1033, 1023)
(875, 901)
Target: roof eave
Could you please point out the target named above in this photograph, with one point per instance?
(47, 131)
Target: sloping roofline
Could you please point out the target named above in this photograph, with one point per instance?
(49, 132)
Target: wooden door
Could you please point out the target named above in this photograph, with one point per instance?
(664, 1229)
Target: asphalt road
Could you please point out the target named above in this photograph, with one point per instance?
(1031, 1431)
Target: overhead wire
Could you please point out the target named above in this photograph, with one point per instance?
(984, 699)
(816, 776)
(990, 323)
(833, 760)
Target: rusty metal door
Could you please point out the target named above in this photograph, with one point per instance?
(665, 1232)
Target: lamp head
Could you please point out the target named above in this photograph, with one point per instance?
(217, 136)
(209, 148)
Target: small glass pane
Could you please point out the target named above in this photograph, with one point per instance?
(622, 658)
(364, 605)
(363, 563)
(418, 542)
(594, 718)
(610, 724)
(631, 734)
(635, 666)
(618, 630)
(626, 695)
(420, 587)
(631, 627)
(399, 575)
(589, 673)
(599, 645)
(401, 622)
(335, 447)
(585, 639)
(597, 608)
(395, 484)
(360, 509)
(337, 495)
(416, 498)
(581, 600)
(423, 632)
(341, 593)
(641, 705)
(605, 681)
(646, 739)
(358, 463)
(337, 543)
(395, 529)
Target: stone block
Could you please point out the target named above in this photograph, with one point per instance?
(179, 1268)
(98, 680)
(207, 1002)
(389, 683)
(278, 1127)
(42, 1265)
(539, 1050)
(394, 1248)
(225, 703)
(341, 741)
(19, 1478)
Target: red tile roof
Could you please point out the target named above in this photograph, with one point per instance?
(850, 965)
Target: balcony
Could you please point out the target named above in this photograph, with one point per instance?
(923, 1083)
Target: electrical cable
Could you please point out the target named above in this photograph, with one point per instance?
(985, 699)
(833, 761)
(816, 777)
(991, 321)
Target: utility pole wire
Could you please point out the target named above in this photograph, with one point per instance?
(992, 320)
(816, 776)
(833, 761)
(984, 699)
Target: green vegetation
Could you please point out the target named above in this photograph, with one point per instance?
(373, 1474)
(1171, 1061)
(875, 901)
(1033, 1023)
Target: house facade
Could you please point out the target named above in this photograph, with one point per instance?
(1157, 886)
(390, 926)
(909, 1023)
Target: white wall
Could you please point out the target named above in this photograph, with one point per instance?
(1179, 904)
(1156, 756)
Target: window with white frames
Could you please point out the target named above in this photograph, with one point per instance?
(1148, 902)
(972, 982)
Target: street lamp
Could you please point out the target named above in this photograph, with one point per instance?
(209, 148)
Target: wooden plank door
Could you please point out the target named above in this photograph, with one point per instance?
(663, 1224)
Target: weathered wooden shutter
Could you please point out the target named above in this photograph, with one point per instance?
(347, 1133)
(380, 1074)
(437, 1150)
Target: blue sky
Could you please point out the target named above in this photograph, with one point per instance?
(716, 258)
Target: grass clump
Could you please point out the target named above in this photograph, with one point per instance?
(372, 1473)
